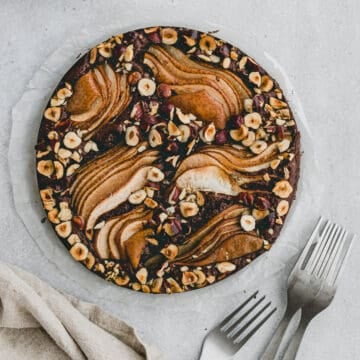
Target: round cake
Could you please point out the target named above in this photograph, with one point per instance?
(167, 159)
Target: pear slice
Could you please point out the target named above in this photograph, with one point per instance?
(135, 246)
(208, 178)
(113, 193)
(101, 239)
(233, 247)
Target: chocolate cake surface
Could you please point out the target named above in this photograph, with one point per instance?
(167, 159)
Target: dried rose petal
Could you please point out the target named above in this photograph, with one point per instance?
(236, 121)
(154, 37)
(165, 109)
(221, 137)
(164, 90)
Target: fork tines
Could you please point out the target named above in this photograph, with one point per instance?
(245, 320)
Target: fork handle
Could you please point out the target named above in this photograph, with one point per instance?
(293, 346)
(277, 342)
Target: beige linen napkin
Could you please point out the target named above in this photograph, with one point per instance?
(38, 322)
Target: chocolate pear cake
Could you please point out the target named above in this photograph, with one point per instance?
(167, 159)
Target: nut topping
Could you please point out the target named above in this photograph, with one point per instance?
(189, 278)
(249, 139)
(253, 120)
(155, 175)
(258, 146)
(79, 252)
(137, 197)
(170, 251)
(247, 222)
(142, 275)
(225, 266)
(53, 113)
(255, 78)
(240, 133)
(64, 229)
(146, 87)
(45, 167)
(72, 140)
(282, 207)
(208, 133)
(169, 36)
(282, 189)
(185, 133)
(188, 209)
(155, 138)
(132, 136)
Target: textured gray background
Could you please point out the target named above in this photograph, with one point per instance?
(318, 45)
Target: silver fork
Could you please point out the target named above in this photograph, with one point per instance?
(332, 265)
(321, 253)
(224, 341)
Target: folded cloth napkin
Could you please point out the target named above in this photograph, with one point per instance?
(38, 322)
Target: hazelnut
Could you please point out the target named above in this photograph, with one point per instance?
(247, 222)
(56, 102)
(207, 134)
(170, 252)
(225, 266)
(72, 140)
(71, 169)
(253, 120)
(185, 133)
(63, 93)
(266, 84)
(201, 278)
(169, 36)
(173, 129)
(155, 138)
(210, 279)
(282, 207)
(91, 146)
(53, 216)
(258, 146)
(150, 203)
(207, 44)
(226, 63)
(52, 113)
(255, 78)
(283, 145)
(142, 275)
(53, 135)
(63, 229)
(76, 156)
(240, 133)
(242, 62)
(249, 139)
(156, 285)
(79, 251)
(136, 286)
(259, 214)
(65, 213)
(282, 189)
(188, 278)
(155, 175)
(137, 197)
(93, 53)
(45, 167)
(164, 90)
(132, 137)
(200, 199)
(59, 170)
(46, 194)
(122, 280)
(129, 53)
(73, 239)
(248, 105)
(174, 286)
(188, 209)
(89, 261)
(277, 104)
(275, 163)
(146, 87)
(190, 41)
(64, 153)
(105, 50)
(100, 268)
(184, 118)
